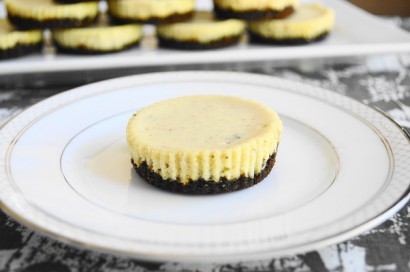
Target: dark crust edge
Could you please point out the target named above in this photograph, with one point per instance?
(83, 50)
(254, 14)
(29, 23)
(173, 18)
(201, 186)
(255, 38)
(195, 45)
(20, 50)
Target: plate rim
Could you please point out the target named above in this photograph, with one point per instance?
(387, 212)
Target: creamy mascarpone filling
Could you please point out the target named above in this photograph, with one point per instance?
(309, 21)
(10, 37)
(202, 28)
(146, 9)
(48, 9)
(246, 5)
(206, 137)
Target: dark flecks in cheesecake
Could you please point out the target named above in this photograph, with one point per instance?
(234, 138)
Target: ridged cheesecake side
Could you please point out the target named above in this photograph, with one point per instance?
(148, 11)
(29, 14)
(203, 31)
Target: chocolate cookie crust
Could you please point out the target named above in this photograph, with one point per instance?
(254, 14)
(195, 45)
(20, 50)
(174, 18)
(201, 186)
(28, 23)
(288, 41)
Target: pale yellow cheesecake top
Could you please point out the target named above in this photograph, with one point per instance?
(100, 36)
(203, 27)
(205, 137)
(247, 5)
(49, 9)
(146, 9)
(10, 37)
(309, 21)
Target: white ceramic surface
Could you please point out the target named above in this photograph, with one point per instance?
(342, 168)
(356, 33)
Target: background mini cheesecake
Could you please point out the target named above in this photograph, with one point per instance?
(255, 9)
(149, 11)
(203, 31)
(204, 144)
(30, 14)
(101, 37)
(310, 23)
(15, 43)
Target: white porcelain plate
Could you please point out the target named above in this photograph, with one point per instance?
(342, 168)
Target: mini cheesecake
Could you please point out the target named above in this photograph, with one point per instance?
(310, 23)
(29, 14)
(204, 144)
(15, 43)
(149, 11)
(255, 9)
(100, 37)
(203, 31)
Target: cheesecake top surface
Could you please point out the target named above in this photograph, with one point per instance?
(202, 123)
(308, 12)
(203, 27)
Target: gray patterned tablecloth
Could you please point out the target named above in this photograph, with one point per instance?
(380, 81)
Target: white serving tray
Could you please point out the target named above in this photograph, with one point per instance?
(356, 33)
